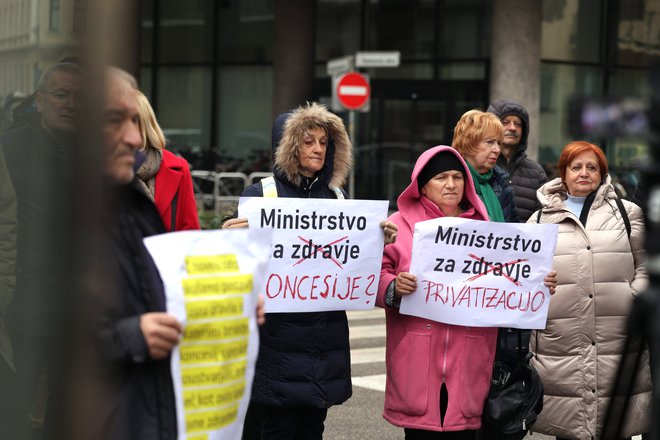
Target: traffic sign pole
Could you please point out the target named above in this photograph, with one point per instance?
(351, 91)
(351, 136)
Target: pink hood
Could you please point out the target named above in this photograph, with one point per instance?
(409, 201)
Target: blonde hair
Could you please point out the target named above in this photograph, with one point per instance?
(152, 134)
(473, 126)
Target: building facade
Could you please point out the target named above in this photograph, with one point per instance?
(217, 71)
(209, 66)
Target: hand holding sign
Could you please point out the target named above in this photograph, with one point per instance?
(405, 284)
(550, 281)
(235, 223)
(161, 332)
(389, 231)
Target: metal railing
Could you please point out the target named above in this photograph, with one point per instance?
(218, 189)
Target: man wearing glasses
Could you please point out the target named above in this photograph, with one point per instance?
(59, 97)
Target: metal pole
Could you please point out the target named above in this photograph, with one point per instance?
(351, 136)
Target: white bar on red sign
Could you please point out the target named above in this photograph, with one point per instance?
(353, 90)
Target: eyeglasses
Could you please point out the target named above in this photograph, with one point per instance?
(64, 96)
(577, 168)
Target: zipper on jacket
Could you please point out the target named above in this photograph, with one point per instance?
(444, 358)
(443, 385)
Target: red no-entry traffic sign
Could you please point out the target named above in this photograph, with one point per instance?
(353, 91)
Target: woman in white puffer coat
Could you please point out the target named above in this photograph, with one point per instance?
(600, 270)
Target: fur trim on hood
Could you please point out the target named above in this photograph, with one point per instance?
(289, 130)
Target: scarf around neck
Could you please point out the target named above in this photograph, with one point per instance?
(487, 195)
(147, 171)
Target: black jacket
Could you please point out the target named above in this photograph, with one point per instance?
(525, 175)
(504, 192)
(140, 404)
(304, 358)
(40, 168)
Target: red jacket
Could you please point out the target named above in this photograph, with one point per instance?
(173, 178)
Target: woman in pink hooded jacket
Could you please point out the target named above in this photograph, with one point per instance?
(438, 375)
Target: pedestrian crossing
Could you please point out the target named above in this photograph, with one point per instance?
(367, 336)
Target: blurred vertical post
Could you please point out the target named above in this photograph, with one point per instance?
(652, 209)
(111, 38)
(644, 321)
(293, 54)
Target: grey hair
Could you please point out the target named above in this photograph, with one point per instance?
(67, 67)
(115, 73)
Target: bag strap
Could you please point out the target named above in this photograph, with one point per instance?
(624, 215)
(173, 217)
(584, 214)
(269, 188)
(338, 192)
(503, 344)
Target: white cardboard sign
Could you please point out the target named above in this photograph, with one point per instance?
(212, 279)
(325, 255)
(481, 274)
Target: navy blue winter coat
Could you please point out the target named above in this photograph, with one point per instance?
(304, 358)
(504, 192)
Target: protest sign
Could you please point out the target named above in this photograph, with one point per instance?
(482, 274)
(212, 279)
(325, 254)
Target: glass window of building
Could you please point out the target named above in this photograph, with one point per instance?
(54, 19)
(559, 83)
(462, 70)
(405, 26)
(627, 154)
(337, 28)
(638, 37)
(147, 31)
(184, 105)
(245, 30)
(145, 84)
(571, 30)
(465, 29)
(185, 31)
(244, 118)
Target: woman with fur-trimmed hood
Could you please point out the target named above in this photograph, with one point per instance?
(304, 364)
(300, 167)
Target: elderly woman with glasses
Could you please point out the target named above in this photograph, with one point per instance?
(600, 262)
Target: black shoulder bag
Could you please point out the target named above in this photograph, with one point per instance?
(515, 398)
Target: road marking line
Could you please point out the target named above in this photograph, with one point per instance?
(375, 382)
(367, 331)
(376, 313)
(367, 355)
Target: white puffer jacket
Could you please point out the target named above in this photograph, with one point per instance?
(600, 270)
